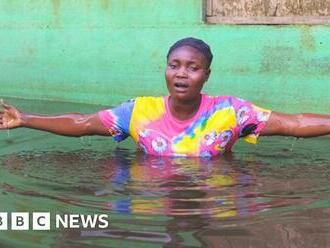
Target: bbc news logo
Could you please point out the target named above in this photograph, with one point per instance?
(42, 221)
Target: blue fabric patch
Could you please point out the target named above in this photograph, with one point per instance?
(123, 115)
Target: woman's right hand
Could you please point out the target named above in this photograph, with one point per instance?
(72, 124)
(10, 117)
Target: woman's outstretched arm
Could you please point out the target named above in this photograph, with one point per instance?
(68, 124)
(297, 125)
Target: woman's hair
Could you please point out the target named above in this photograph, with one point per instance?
(198, 44)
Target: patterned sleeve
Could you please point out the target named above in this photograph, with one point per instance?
(116, 120)
(250, 119)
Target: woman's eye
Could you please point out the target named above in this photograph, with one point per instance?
(172, 66)
(193, 68)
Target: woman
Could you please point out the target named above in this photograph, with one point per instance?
(185, 123)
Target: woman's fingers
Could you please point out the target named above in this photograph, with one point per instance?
(3, 122)
(4, 104)
(7, 115)
(1, 117)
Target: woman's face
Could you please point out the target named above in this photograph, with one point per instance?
(186, 73)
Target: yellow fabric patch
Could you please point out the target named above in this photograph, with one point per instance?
(146, 110)
(221, 120)
(252, 138)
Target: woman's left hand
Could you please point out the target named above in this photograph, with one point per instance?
(297, 125)
(10, 117)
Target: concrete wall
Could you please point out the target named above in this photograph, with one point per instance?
(107, 51)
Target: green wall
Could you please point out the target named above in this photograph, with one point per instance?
(107, 51)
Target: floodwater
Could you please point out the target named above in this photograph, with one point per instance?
(275, 194)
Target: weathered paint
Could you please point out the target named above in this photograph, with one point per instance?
(268, 11)
(107, 51)
(270, 7)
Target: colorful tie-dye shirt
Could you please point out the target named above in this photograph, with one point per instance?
(219, 122)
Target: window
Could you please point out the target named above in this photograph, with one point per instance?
(267, 11)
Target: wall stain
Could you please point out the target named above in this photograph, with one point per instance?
(88, 4)
(289, 61)
(277, 59)
(31, 52)
(307, 39)
(56, 11)
(321, 65)
(56, 6)
(104, 4)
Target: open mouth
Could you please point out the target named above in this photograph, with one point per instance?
(181, 86)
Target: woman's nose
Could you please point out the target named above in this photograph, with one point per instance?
(182, 73)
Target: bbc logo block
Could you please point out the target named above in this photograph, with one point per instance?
(41, 221)
(21, 221)
(3, 221)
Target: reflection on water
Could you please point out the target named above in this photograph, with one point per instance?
(276, 194)
(168, 202)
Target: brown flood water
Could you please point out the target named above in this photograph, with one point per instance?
(276, 194)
